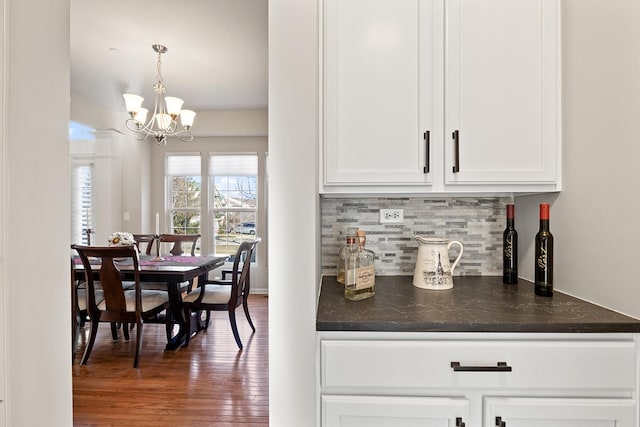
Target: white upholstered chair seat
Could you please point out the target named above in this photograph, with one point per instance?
(82, 298)
(213, 294)
(150, 300)
(126, 285)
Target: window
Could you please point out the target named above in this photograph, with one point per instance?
(184, 199)
(233, 195)
(82, 180)
(81, 202)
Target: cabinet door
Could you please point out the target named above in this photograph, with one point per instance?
(559, 412)
(502, 92)
(379, 91)
(387, 411)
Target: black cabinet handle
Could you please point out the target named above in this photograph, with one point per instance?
(500, 367)
(500, 423)
(456, 147)
(427, 140)
(459, 422)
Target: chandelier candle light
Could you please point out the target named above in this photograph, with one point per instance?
(165, 113)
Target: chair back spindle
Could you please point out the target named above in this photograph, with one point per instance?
(178, 241)
(149, 239)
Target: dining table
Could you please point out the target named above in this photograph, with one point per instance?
(172, 270)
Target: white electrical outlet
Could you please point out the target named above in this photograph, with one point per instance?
(391, 216)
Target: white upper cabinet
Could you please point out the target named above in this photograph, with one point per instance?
(401, 78)
(502, 85)
(378, 101)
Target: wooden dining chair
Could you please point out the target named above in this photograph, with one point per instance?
(180, 241)
(80, 307)
(149, 239)
(226, 295)
(119, 306)
(177, 249)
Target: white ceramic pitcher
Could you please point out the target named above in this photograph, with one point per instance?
(433, 268)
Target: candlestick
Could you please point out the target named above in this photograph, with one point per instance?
(157, 257)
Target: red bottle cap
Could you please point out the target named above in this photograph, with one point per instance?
(544, 211)
(510, 211)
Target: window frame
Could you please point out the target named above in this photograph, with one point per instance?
(169, 209)
(82, 204)
(242, 211)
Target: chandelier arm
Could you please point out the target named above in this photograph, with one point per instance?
(147, 128)
(171, 129)
(132, 125)
(184, 136)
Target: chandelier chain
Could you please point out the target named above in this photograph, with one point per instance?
(159, 75)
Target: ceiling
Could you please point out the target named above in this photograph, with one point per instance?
(216, 58)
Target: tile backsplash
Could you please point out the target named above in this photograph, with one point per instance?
(476, 222)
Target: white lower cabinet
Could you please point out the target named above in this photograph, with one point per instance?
(559, 412)
(478, 380)
(399, 411)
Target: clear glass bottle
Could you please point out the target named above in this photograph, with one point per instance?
(360, 271)
(347, 248)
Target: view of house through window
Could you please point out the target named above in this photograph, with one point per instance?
(230, 203)
(233, 195)
(184, 188)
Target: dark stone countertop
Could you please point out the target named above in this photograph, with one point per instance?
(475, 304)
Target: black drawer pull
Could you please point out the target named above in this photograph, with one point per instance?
(456, 147)
(500, 423)
(427, 140)
(500, 367)
(459, 422)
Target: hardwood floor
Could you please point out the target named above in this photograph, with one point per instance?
(207, 383)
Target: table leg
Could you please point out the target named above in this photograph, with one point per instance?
(175, 305)
(190, 325)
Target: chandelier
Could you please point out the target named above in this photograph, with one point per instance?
(163, 121)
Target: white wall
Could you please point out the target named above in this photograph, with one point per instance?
(132, 159)
(293, 211)
(594, 219)
(231, 123)
(35, 212)
(88, 113)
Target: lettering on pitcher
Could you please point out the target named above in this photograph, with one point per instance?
(542, 258)
(433, 278)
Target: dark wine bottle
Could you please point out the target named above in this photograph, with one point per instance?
(544, 255)
(510, 249)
